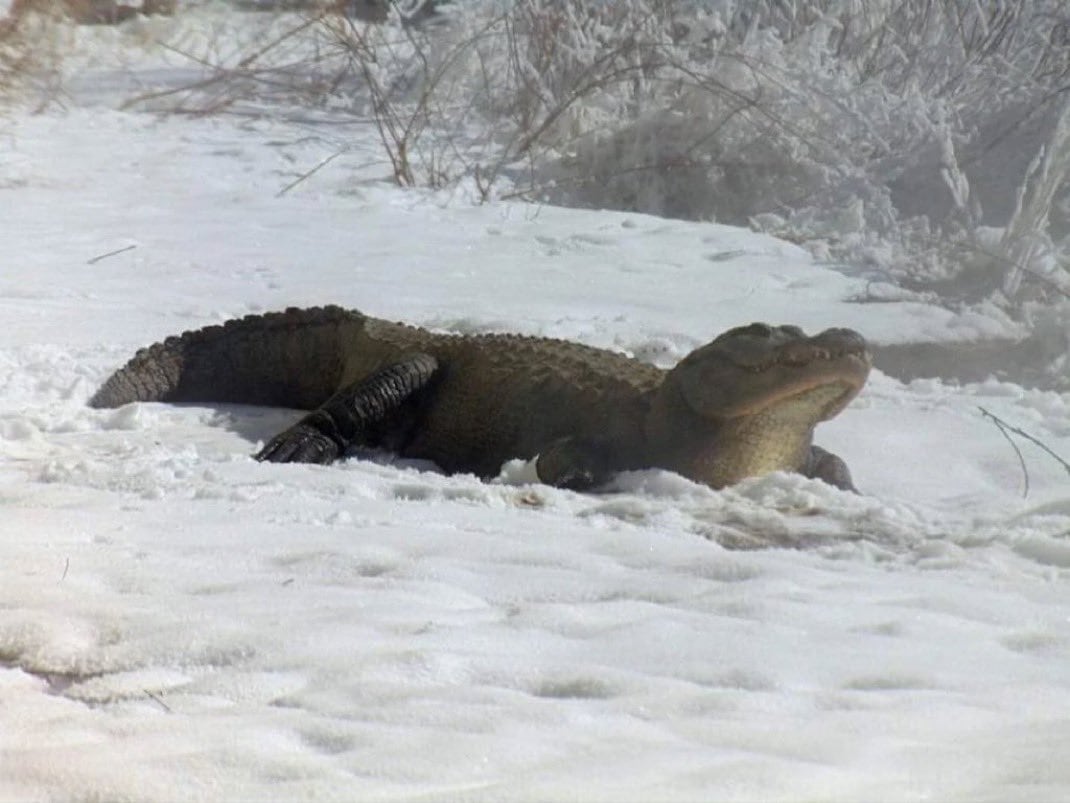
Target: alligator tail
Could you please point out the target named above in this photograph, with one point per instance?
(282, 359)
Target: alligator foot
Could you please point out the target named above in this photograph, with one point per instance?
(352, 416)
(827, 467)
(313, 439)
(574, 464)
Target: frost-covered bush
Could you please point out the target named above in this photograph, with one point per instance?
(31, 63)
(927, 138)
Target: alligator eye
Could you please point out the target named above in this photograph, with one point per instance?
(755, 332)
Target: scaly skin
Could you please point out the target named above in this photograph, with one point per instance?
(743, 405)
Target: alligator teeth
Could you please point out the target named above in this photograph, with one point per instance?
(800, 354)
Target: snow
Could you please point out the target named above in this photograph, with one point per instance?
(180, 622)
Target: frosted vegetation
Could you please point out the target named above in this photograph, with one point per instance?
(925, 140)
(923, 144)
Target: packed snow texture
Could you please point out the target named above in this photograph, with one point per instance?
(182, 623)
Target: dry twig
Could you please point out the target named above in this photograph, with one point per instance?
(122, 250)
(159, 701)
(1005, 430)
(308, 173)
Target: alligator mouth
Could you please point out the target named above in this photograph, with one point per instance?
(750, 369)
(812, 352)
(839, 375)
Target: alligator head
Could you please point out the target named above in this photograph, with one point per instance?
(754, 396)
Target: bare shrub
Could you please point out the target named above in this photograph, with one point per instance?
(895, 133)
(409, 91)
(923, 140)
(32, 39)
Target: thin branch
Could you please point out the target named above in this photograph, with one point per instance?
(159, 701)
(122, 250)
(1006, 428)
(1002, 427)
(221, 73)
(322, 164)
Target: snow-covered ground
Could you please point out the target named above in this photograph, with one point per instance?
(179, 622)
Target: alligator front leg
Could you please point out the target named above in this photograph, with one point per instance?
(827, 467)
(351, 414)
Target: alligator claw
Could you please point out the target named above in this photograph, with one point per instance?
(301, 443)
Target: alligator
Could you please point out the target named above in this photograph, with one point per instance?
(742, 405)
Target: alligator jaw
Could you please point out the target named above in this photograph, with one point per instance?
(748, 369)
(775, 438)
(843, 376)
